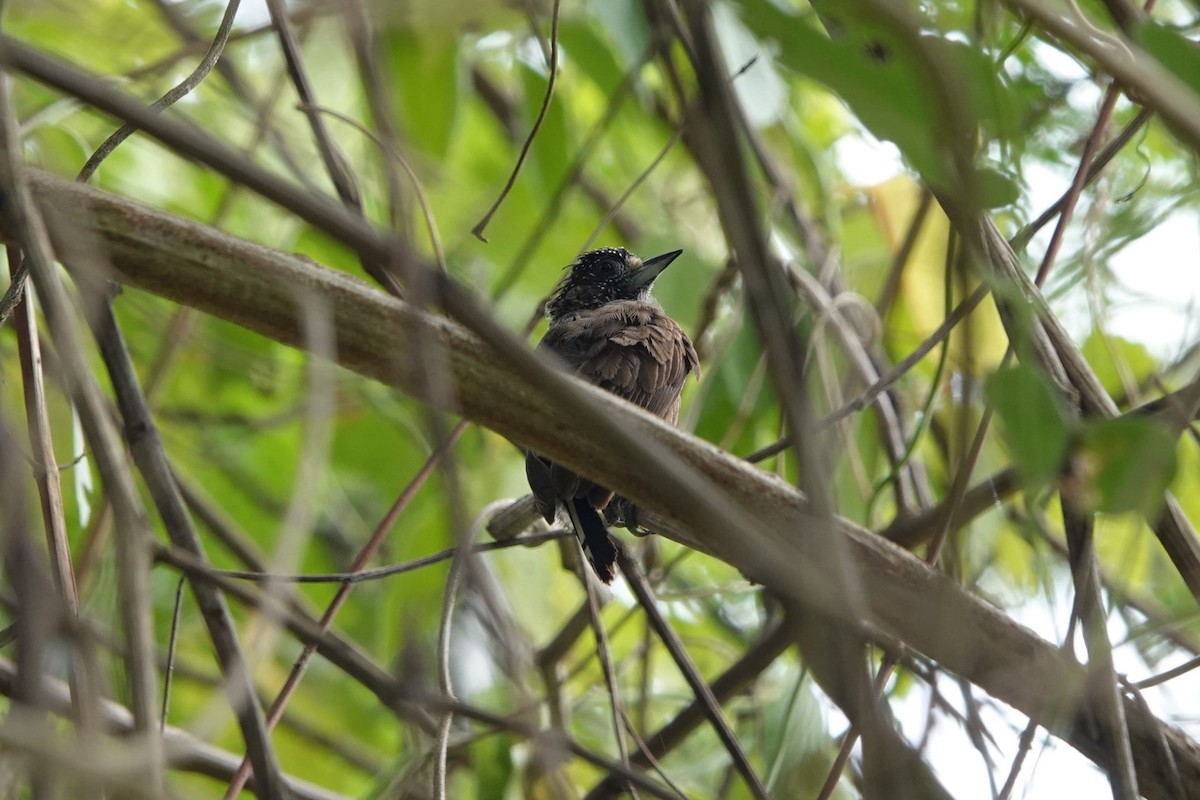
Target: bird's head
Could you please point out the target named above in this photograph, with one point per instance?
(603, 276)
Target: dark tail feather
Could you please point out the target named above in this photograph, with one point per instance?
(589, 527)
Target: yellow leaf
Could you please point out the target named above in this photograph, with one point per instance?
(920, 306)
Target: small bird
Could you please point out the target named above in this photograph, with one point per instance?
(609, 331)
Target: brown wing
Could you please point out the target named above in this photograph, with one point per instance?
(631, 349)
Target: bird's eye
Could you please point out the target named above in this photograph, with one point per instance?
(609, 267)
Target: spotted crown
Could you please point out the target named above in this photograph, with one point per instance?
(596, 278)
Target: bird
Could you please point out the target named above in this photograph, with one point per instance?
(607, 329)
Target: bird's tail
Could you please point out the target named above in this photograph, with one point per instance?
(589, 527)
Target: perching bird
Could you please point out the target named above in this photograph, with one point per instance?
(608, 329)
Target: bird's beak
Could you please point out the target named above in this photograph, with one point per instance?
(651, 269)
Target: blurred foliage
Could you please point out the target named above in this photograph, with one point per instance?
(464, 81)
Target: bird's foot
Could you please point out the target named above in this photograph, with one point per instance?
(623, 513)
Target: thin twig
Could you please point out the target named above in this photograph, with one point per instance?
(604, 655)
(445, 679)
(572, 177)
(1080, 526)
(633, 187)
(537, 124)
(46, 473)
(891, 287)
(701, 689)
(152, 460)
(15, 291)
(150, 457)
(1024, 744)
(260, 109)
(504, 110)
(187, 752)
(872, 392)
(1174, 781)
(517, 726)
(753, 662)
(380, 101)
(392, 153)
(24, 224)
(644, 749)
(180, 90)
(169, 672)
(1170, 674)
(331, 157)
(379, 573)
(1104, 684)
(357, 568)
(1078, 181)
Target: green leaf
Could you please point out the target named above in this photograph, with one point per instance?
(793, 730)
(882, 93)
(426, 74)
(625, 26)
(996, 189)
(492, 766)
(1176, 52)
(1034, 421)
(57, 148)
(1126, 464)
(583, 47)
(1111, 356)
(550, 154)
(885, 80)
(992, 103)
